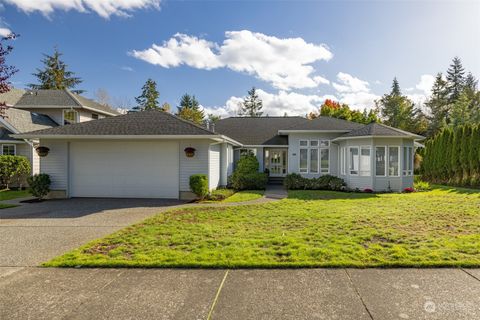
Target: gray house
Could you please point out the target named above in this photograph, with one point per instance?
(152, 154)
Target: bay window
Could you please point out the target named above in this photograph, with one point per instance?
(365, 161)
(380, 161)
(353, 160)
(393, 161)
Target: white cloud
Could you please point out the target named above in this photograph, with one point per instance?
(285, 63)
(354, 91)
(292, 103)
(426, 84)
(104, 8)
(5, 32)
(127, 68)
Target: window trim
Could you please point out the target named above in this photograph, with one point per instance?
(320, 160)
(399, 158)
(350, 160)
(407, 168)
(309, 149)
(10, 145)
(77, 116)
(306, 169)
(309, 152)
(360, 161)
(385, 148)
(95, 116)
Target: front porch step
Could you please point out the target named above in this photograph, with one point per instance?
(275, 180)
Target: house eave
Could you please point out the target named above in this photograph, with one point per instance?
(311, 131)
(414, 137)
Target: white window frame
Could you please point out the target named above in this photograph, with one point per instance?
(360, 162)
(350, 160)
(305, 169)
(309, 160)
(320, 160)
(77, 115)
(323, 141)
(385, 149)
(407, 168)
(10, 145)
(388, 162)
(341, 164)
(307, 145)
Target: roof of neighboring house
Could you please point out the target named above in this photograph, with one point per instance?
(5, 135)
(11, 97)
(325, 123)
(60, 98)
(145, 123)
(377, 129)
(24, 121)
(257, 130)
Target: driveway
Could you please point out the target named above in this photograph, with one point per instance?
(33, 233)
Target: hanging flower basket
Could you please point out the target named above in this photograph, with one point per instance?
(189, 152)
(42, 151)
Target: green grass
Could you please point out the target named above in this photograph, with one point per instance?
(438, 228)
(5, 206)
(247, 195)
(13, 194)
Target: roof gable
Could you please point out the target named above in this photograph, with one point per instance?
(11, 97)
(24, 121)
(379, 130)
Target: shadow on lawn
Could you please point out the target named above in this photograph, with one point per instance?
(328, 195)
(459, 190)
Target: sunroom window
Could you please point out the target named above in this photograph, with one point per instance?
(380, 161)
(393, 161)
(365, 161)
(407, 161)
(353, 160)
(70, 117)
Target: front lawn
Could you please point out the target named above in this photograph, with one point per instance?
(247, 195)
(309, 229)
(13, 194)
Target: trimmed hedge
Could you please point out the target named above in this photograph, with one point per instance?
(199, 185)
(246, 175)
(294, 181)
(453, 157)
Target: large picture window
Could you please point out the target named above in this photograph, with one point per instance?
(380, 161)
(303, 160)
(314, 156)
(407, 161)
(325, 160)
(353, 160)
(8, 150)
(393, 161)
(365, 162)
(70, 116)
(313, 160)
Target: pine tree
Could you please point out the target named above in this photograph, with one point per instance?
(471, 83)
(455, 79)
(55, 75)
(189, 109)
(461, 110)
(148, 100)
(396, 88)
(438, 106)
(252, 104)
(6, 71)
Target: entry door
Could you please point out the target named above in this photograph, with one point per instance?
(277, 162)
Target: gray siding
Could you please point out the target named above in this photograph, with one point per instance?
(55, 164)
(214, 166)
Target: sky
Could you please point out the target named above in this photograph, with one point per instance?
(297, 54)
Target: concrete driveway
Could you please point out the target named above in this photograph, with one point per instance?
(33, 233)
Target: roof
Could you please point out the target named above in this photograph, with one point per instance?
(145, 123)
(11, 97)
(326, 124)
(377, 129)
(257, 130)
(60, 98)
(24, 121)
(5, 135)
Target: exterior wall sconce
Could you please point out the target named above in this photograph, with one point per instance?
(42, 151)
(189, 152)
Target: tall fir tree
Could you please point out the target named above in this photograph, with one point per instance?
(189, 109)
(148, 99)
(55, 76)
(6, 71)
(455, 79)
(438, 106)
(252, 104)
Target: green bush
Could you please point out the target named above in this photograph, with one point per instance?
(246, 175)
(39, 185)
(294, 181)
(13, 168)
(420, 185)
(199, 185)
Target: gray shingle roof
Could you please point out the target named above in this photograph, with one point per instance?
(326, 123)
(5, 135)
(257, 130)
(59, 98)
(24, 121)
(150, 122)
(11, 97)
(375, 129)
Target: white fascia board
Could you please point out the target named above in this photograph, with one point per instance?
(12, 141)
(265, 146)
(7, 125)
(312, 131)
(363, 137)
(100, 111)
(114, 137)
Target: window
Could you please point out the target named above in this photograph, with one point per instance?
(325, 160)
(364, 161)
(314, 160)
(247, 151)
(303, 160)
(324, 143)
(353, 156)
(303, 143)
(8, 150)
(393, 159)
(313, 143)
(70, 116)
(407, 161)
(342, 161)
(380, 161)
(94, 116)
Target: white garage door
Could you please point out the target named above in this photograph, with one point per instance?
(124, 169)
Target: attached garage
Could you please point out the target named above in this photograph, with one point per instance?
(124, 169)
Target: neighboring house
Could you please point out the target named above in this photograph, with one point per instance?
(143, 154)
(42, 109)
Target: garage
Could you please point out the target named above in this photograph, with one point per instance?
(124, 169)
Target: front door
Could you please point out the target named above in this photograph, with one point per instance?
(276, 162)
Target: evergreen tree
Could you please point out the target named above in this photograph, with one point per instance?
(6, 71)
(396, 88)
(148, 100)
(166, 107)
(456, 164)
(464, 154)
(471, 83)
(189, 109)
(55, 75)
(461, 110)
(252, 104)
(474, 156)
(455, 79)
(438, 106)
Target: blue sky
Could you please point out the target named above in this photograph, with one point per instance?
(296, 53)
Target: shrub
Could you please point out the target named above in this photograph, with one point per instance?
(199, 185)
(246, 175)
(294, 181)
(39, 185)
(420, 185)
(11, 167)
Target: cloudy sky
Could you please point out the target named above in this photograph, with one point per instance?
(296, 53)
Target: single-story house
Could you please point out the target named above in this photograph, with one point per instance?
(152, 154)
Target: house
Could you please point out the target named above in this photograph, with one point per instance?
(42, 109)
(152, 154)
